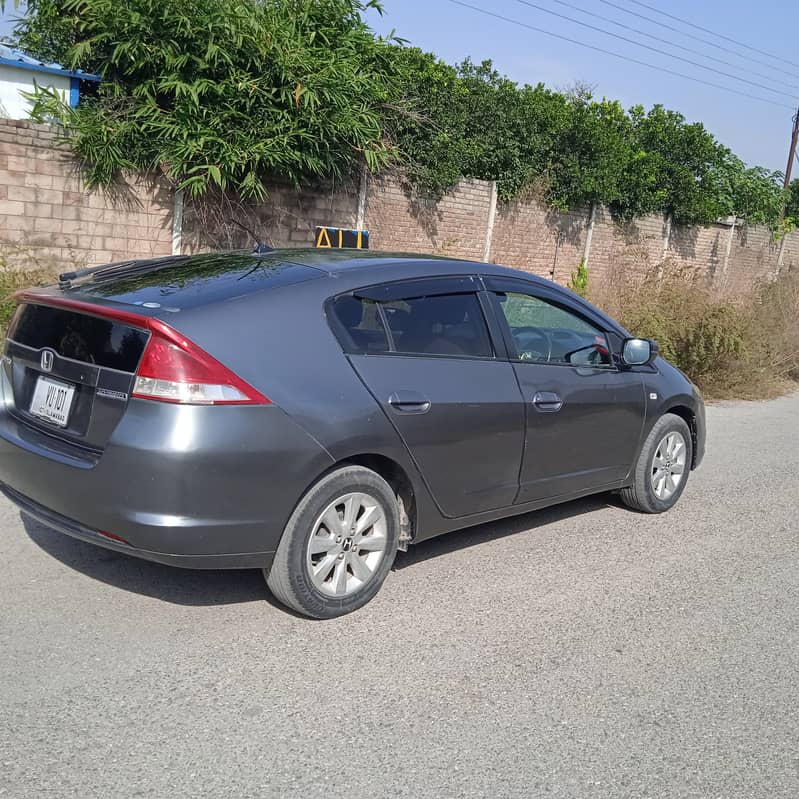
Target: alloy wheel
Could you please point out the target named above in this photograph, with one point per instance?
(347, 545)
(668, 465)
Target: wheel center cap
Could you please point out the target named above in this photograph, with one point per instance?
(347, 544)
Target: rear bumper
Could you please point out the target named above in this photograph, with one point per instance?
(192, 486)
(240, 560)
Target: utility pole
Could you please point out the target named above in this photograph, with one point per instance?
(788, 169)
(792, 151)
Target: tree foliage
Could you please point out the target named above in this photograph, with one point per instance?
(48, 30)
(227, 92)
(235, 93)
(569, 148)
(792, 208)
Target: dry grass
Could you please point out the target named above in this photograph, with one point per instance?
(742, 346)
(21, 268)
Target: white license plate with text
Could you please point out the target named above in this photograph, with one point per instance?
(52, 400)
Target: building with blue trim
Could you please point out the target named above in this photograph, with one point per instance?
(20, 72)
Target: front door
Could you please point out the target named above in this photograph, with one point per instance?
(584, 417)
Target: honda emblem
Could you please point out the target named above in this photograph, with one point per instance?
(47, 360)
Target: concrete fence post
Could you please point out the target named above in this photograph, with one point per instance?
(726, 263)
(492, 213)
(363, 189)
(666, 238)
(781, 256)
(589, 235)
(664, 252)
(177, 223)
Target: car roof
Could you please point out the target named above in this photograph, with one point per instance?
(190, 281)
(338, 262)
(182, 283)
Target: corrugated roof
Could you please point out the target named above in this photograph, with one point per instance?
(12, 57)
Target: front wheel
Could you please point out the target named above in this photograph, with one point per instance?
(338, 545)
(663, 466)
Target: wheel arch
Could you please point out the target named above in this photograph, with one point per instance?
(399, 480)
(689, 417)
(396, 476)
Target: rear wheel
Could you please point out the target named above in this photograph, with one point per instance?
(338, 545)
(663, 466)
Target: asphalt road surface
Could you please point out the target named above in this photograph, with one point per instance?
(585, 651)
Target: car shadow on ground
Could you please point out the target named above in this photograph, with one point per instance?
(206, 587)
(483, 533)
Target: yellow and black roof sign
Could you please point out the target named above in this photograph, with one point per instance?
(337, 237)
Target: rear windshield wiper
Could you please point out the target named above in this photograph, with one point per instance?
(119, 269)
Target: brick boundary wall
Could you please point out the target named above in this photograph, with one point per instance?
(47, 212)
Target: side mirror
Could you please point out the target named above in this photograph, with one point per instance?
(639, 351)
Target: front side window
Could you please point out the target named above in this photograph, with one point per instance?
(546, 333)
(443, 324)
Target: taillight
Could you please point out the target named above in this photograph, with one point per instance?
(172, 368)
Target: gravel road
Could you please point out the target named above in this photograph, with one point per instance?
(585, 651)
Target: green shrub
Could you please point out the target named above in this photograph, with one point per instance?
(579, 282)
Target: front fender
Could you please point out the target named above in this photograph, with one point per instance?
(668, 390)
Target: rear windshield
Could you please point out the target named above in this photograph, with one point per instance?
(83, 338)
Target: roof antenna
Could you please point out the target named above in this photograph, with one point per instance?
(259, 245)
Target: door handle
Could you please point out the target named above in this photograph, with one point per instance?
(409, 402)
(547, 401)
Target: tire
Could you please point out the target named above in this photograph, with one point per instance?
(338, 572)
(656, 469)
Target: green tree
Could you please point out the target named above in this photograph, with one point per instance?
(792, 206)
(511, 131)
(470, 121)
(427, 121)
(751, 193)
(674, 168)
(49, 31)
(590, 155)
(228, 93)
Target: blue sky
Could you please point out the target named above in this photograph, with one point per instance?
(757, 131)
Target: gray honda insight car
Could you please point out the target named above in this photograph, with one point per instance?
(310, 412)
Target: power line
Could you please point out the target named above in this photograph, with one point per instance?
(715, 33)
(617, 55)
(679, 46)
(654, 49)
(692, 36)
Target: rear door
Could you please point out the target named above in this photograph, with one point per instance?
(424, 351)
(584, 416)
(70, 373)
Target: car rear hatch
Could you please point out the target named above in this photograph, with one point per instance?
(71, 372)
(75, 355)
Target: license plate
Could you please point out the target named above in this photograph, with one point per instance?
(52, 400)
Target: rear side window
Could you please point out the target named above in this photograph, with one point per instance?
(78, 336)
(442, 324)
(358, 325)
(445, 324)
